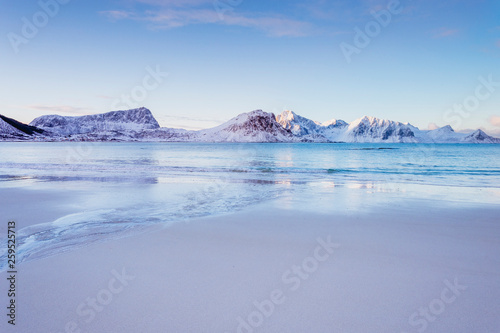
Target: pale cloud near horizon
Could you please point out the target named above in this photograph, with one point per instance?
(432, 126)
(187, 123)
(209, 120)
(60, 109)
(175, 13)
(495, 121)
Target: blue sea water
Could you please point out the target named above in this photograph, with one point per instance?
(434, 164)
(124, 187)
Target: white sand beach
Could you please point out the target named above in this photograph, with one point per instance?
(406, 268)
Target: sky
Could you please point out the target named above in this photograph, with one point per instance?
(198, 63)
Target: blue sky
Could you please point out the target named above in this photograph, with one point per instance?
(423, 63)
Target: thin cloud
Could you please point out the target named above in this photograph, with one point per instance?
(60, 109)
(374, 5)
(274, 26)
(187, 123)
(115, 15)
(216, 121)
(176, 3)
(334, 11)
(445, 32)
(175, 14)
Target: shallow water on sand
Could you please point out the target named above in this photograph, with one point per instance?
(129, 186)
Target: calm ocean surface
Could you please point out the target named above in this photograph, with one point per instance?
(122, 187)
(433, 164)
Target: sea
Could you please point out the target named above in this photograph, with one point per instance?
(118, 189)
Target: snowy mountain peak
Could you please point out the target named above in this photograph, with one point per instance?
(366, 120)
(255, 126)
(244, 117)
(287, 115)
(446, 128)
(297, 124)
(479, 136)
(373, 121)
(124, 120)
(334, 123)
(371, 129)
(413, 128)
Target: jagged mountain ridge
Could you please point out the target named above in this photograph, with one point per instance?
(125, 120)
(371, 129)
(309, 129)
(256, 126)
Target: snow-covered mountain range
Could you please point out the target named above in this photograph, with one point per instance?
(256, 126)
